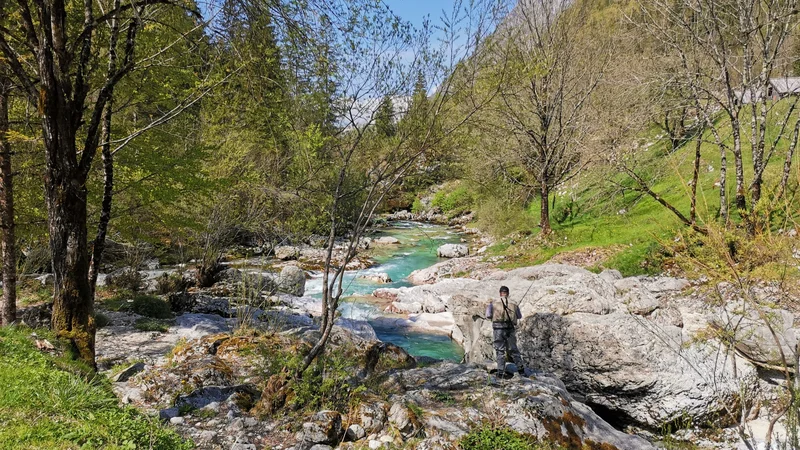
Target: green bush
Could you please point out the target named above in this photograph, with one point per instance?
(172, 282)
(151, 306)
(126, 280)
(324, 385)
(454, 202)
(150, 324)
(417, 207)
(503, 218)
(101, 320)
(488, 438)
(72, 407)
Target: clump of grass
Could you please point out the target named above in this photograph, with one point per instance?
(489, 438)
(101, 320)
(151, 306)
(150, 324)
(73, 408)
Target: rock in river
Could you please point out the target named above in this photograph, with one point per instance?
(452, 251)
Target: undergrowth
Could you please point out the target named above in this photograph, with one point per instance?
(52, 402)
(490, 438)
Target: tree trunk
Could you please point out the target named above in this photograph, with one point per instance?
(8, 309)
(723, 182)
(740, 198)
(695, 178)
(108, 162)
(73, 306)
(544, 220)
(108, 195)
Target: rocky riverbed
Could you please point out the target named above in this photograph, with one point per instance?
(605, 354)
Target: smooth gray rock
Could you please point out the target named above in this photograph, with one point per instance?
(126, 374)
(292, 280)
(168, 413)
(534, 406)
(379, 278)
(452, 251)
(613, 344)
(205, 396)
(325, 427)
(36, 316)
(287, 252)
(355, 432)
(360, 328)
(386, 240)
(192, 326)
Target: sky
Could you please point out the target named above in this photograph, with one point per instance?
(415, 10)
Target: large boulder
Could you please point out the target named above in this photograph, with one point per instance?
(36, 316)
(287, 252)
(292, 280)
(449, 269)
(452, 251)
(539, 406)
(636, 352)
(386, 241)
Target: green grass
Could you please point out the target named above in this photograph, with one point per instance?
(632, 224)
(150, 324)
(51, 402)
(488, 438)
(144, 305)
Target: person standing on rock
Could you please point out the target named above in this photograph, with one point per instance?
(504, 319)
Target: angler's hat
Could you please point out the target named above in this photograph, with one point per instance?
(504, 289)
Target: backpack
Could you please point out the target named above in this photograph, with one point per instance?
(506, 313)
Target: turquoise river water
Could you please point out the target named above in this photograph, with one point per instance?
(416, 250)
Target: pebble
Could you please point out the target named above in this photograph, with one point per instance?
(250, 422)
(176, 420)
(213, 406)
(243, 446)
(375, 444)
(236, 425)
(207, 436)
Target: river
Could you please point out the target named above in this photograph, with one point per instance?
(416, 250)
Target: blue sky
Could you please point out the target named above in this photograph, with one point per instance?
(415, 10)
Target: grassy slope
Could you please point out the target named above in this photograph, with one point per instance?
(47, 402)
(634, 237)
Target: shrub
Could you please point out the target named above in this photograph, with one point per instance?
(454, 202)
(150, 324)
(501, 218)
(151, 306)
(169, 283)
(488, 438)
(417, 207)
(126, 279)
(101, 320)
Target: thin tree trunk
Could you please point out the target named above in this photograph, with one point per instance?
(8, 309)
(723, 185)
(108, 163)
(544, 220)
(740, 198)
(787, 163)
(695, 178)
(108, 194)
